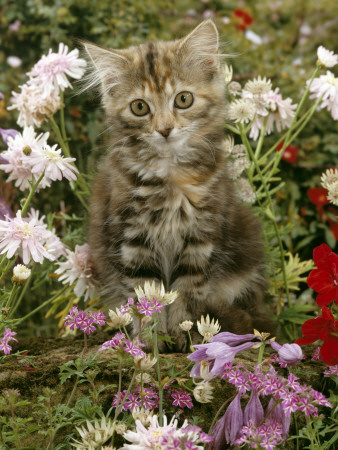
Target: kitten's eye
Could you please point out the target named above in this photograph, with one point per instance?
(139, 107)
(183, 100)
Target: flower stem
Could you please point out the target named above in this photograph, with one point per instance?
(261, 353)
(22, 294)
(158, 370)
(33, 188)
(220, 410)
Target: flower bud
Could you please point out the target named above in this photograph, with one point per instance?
(27, 150)
(144, 364)
(186, 325)
(203, 392)
(21, 274)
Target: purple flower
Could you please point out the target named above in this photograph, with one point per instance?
(83, 320)
(8, 336)
(231, 338)
(228, 427)
(182, 399)
(289, 354)
(254, 410)
(217, 352)
(6, 133)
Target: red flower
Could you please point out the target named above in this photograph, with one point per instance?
(324, 279)
(325, 328)
(245, 19)
(318, 196)
(290, 153)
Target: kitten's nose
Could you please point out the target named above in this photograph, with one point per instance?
(165, 132)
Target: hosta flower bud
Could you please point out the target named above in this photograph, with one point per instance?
(21, 274)
(254, 409)
(289, 354)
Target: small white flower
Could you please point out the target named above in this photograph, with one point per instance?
(21, 273)
(14, 61)
(234, 88)
(258, 86)
(203, 392)
(329, 177)
(118, 319)
(143, 415)
(95, 435)
(326, 58)
(208, 328)
(152, 291)
(121, 428)
(186, 325)
(144, 364)
(241, 110)
(78, 268)
(146, 378)
(332, 194)
(245, 191)
(326, 86)
(228, 72)
(237, 167)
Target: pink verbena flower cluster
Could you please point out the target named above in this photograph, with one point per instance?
(168, 436)
(267, 436)
(8, 336)
(331, 370)
(78, 268)
(40, 96)
(142, 307)
(29, 238)
(121, 345)
(84, 320)
(148, 397)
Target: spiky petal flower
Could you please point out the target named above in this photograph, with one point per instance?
(51, 70)
(241, 110)
(258, 86)
(208, 328)
(326, 58)
(118, 319)
(26, 237)
(329, 177)
(78, 268)
(153, 291)
(186, 325)
(95, 435)
(203, 392)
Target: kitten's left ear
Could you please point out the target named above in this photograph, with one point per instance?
(201, 45)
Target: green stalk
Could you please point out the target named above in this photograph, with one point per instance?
(62, 124)
(8, 266)
(231, 128)
(47, 302)
(12, 295)
(33, 188)
(22, 293)
(158, 370)
(261, 353)
(272, 215)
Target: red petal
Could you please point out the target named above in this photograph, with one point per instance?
(325, 298)
(320, 280)
(305, 340)
(329, 351)
(312, 327)
(327, 315)
(320, 255)
(318, 196)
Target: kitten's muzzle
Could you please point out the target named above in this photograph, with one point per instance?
(165, 132)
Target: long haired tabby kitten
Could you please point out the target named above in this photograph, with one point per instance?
(163, 206)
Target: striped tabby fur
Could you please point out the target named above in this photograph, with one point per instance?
(164, 208)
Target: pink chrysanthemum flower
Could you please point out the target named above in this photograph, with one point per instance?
(78, 268)
(18, 156)
(25, 237)
(56, 166)
(326, 86)
(52, 70)
(8, 336)
(33, 105)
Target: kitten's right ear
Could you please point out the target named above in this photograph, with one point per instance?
(108, 66)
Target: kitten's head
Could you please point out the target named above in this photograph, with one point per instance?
(165, 95)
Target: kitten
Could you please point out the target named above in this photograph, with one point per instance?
(163, 206)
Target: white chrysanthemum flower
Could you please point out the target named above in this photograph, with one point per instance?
(120, 428)
(239, 151)
(21, 273)
(228, 144)
(94, 436)
(51, 70)
(326, 86)
(326, 58)
(258, 86)
(203, 392)
(118, 319)
(144, 364)
(33, 105)
(25, 237)
(55, 166)
(234, 88)
(78, 268)
(186, 325)
(20, 149)
(146, 378)
(329, 177)
(332, 194)
(208, 328)
(245, 191)
(152, 291)
(241, 110)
